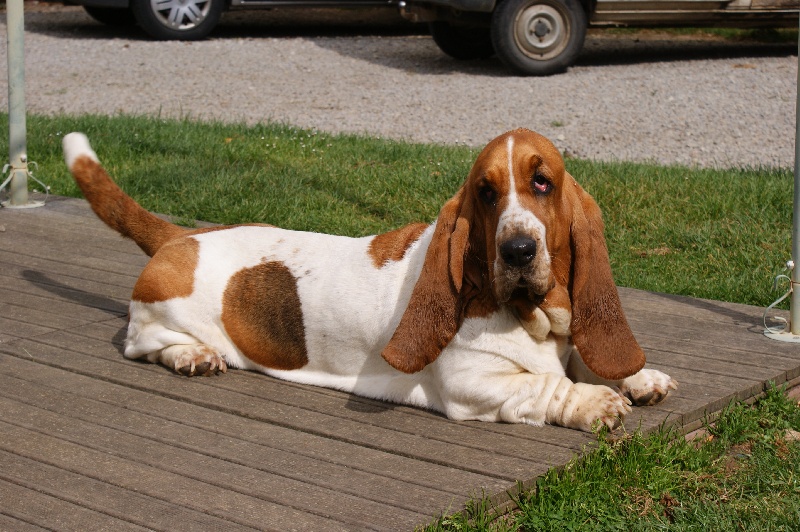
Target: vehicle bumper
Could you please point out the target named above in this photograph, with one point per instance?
(99, 3)
(476, 6)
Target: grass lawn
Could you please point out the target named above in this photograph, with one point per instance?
(717, 234)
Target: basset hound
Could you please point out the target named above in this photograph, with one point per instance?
(503, 309)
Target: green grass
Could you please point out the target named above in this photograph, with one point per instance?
(232, 173)
(742, 474)
(716, 234)
(719, 234)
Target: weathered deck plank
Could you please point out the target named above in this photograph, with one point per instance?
(101, 497)
(264, 435)
(91, 440)
(281, 466)
(269, 406)
(24, 507)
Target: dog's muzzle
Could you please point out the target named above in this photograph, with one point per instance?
(518, 252)
(520, 270)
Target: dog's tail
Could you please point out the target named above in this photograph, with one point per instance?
(118, 210)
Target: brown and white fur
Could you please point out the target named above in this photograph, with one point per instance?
(504, 309)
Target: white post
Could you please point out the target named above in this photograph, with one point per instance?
(17, 132)
(794, 312)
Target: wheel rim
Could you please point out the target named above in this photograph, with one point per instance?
(541, 31)
(181, 14)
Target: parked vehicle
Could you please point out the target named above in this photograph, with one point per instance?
(531, 37)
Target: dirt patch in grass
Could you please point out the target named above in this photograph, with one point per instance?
(735, 456)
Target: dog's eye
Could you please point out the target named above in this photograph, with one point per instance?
(487, 195)
(541, 185)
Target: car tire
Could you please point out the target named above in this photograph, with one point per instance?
(187, 20)
(462, 42)
(111, 16)
(538, 37)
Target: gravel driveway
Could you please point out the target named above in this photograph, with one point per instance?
(695, 101)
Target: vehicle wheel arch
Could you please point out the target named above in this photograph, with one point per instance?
(587, 5)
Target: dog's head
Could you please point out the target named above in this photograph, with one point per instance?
(520, 232)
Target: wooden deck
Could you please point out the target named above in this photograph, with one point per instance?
(89, 440)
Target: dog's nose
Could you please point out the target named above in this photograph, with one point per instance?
(518, 251)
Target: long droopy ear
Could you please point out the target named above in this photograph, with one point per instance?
(599, 328)
(435, 310)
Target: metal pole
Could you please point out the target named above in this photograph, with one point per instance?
(791, 333)
(18, 191)
(794, 303)
(17, 132)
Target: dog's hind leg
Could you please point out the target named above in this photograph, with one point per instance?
(185, 353)
(190, 360)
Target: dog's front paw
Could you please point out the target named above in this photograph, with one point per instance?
(593, 404)
(192, 360)
(648, 387)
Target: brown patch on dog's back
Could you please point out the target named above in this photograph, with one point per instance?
(392, 246)
(170, 273)
(262, 315)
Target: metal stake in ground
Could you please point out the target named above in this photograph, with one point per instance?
(18, 165)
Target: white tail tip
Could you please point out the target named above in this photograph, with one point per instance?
(77, 145)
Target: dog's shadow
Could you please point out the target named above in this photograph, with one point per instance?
(113, 307)
(362, 405)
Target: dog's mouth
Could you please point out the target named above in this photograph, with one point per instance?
(532, 289)
(520, 286)
(524, 293)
